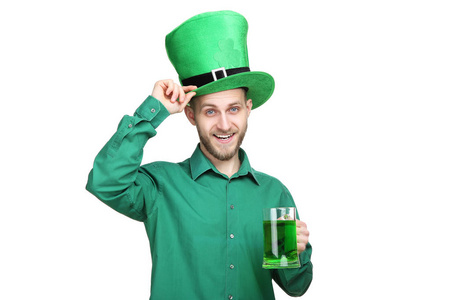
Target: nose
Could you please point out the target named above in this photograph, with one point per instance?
(224, 124)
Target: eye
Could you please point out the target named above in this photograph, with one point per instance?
(234, 109)
(209, 112)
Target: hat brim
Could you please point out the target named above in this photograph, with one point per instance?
(260, 86)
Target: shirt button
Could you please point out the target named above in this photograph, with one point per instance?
(230, 297)
(130, 125)
(232, 236)
(232, 206)
(153, 110)
(231, 266)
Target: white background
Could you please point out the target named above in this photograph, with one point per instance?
(357, 129)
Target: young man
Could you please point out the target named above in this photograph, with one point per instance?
(203, 216)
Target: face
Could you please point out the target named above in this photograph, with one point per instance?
(221, 121)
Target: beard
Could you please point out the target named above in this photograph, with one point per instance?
(220, 152)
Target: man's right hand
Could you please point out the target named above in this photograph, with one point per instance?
(167, 92)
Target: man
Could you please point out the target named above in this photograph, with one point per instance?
(203, 216)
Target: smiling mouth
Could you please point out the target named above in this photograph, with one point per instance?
(224, 137)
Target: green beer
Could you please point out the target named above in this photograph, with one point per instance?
(280, 244)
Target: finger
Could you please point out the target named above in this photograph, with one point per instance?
(175, 93)
(302, 232)
(302, 241)
(190, 95)
(170, 86)
(303, 236)
(185, 90)
(189, 88)
(187, 99)
(182, 95)
(301, 247)
(301, 224)
(159, 90)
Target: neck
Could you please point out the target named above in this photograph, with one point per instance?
(227, 167)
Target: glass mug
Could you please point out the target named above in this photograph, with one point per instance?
(280, 238)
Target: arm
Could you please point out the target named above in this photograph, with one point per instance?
(115, 178)
(295, 282)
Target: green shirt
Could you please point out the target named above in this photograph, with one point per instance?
(205, 229)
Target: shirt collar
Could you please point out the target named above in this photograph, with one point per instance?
(200, 164)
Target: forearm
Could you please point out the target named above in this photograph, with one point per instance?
(114, 176)
(295, 282)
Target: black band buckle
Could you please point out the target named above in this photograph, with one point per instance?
(214, 75)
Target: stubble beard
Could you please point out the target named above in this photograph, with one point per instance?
(216, 152)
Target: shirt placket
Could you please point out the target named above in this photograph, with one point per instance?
(232, 237)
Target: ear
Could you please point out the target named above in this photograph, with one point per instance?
(190, 114)
(249, 105)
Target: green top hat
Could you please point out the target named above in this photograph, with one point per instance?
(210, 51)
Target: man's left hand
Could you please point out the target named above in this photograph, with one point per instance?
(302, 236)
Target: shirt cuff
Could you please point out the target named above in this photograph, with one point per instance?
(305, 256)
(152, 110)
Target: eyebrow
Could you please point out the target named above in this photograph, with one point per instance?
(237, 103)
(207, 105)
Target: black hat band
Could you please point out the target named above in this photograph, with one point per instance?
(214, 75)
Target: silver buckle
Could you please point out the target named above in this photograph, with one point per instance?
(213, 72)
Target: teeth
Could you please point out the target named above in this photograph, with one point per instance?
(223, 137)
